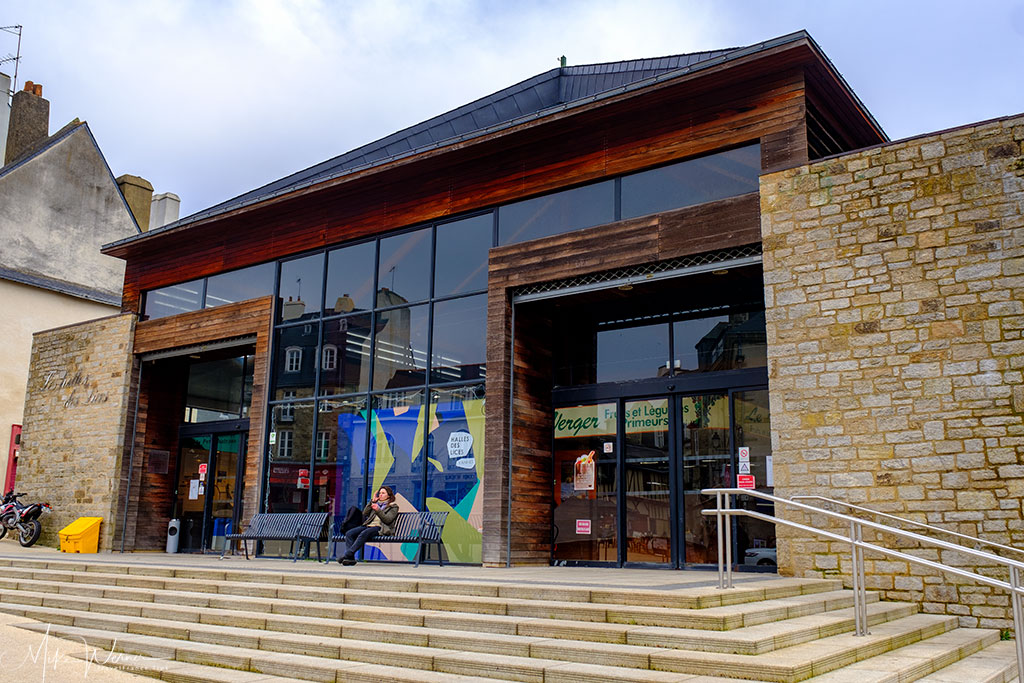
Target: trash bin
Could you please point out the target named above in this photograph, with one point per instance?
(173, 535)
(220, 525)
(81, 536)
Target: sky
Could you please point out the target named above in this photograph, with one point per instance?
(211, 98)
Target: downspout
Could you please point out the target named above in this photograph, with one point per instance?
(131, 459)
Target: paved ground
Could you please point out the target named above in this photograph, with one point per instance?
(28, 657)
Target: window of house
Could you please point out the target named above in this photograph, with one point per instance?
(323, 446)
(292, 359)
(284, 444)
(286, 413)
(330, 357)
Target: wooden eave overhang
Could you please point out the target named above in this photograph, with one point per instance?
(762, 60)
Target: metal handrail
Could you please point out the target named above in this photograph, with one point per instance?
(904, 520)
(723, 510)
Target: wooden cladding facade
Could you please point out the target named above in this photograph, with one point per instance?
(716, 225)
(161, 405)
(756, 99)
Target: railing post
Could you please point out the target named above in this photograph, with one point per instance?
(1018, 619)
(728, 542)
(721, 549)
(857, 576)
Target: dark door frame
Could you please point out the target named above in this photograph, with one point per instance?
(672, 388)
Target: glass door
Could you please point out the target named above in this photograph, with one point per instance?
(706, 458)
(209, 474)
(585, 527)
(648, 498)
(755, 539)
(190, 507)
(629, 474)
(225, 467)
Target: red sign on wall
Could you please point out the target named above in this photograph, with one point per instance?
(745, 481)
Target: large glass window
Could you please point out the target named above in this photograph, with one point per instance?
(553, 214)
(346, 351)
(460, 263)
(459, 349)
(301, 288)
(404, 272)
(400, 347)
(350, 279)
(175, 299)
(690, 182)
(632, 352)
(240, 285)
(297, 358)
(219, 389)
(456, 466)
(397, 444)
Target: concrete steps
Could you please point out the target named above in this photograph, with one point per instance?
(207, 623)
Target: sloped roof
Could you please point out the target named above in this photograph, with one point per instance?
(555, 88)
(542, 95)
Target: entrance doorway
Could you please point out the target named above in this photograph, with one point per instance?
(629, 473)
(210, 475)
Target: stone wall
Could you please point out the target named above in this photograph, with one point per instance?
(76, 409)
(894, 285)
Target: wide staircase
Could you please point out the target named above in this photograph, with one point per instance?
(219, 623)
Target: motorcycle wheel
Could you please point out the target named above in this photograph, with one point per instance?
(7, 522)
(28, 534)
(3, 531)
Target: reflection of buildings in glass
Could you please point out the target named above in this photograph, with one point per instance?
(738, 343)
(394, 353)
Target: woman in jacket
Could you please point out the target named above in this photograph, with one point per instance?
(378, 520)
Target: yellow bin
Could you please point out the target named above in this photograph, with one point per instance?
(81, 536)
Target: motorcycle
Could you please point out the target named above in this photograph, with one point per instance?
(25, 518)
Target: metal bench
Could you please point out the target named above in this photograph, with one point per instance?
(421, 528)
(297, 527)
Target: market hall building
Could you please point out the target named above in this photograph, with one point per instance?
(558, 313)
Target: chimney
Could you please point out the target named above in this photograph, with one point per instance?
(5, 112)
(138, 193)
(164, 210)
(30, 121)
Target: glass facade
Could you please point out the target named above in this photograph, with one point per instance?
(217, 290)
(379, 357)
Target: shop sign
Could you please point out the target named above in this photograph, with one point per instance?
(745, 481)
(202, 467)
(584, 473)
(600, 420)
(647, 416)
(592, 420)
(583, 527)
(303, 479)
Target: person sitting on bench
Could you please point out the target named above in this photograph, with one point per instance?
(378, 519)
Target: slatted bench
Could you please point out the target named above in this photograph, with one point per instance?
(297, 527)
(421, 528)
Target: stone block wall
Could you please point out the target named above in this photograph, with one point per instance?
(76, 410)
(894, 287)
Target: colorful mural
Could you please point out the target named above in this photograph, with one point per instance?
(447, 440)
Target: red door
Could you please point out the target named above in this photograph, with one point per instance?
(12, 457)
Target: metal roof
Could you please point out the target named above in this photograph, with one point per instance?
(542, 95)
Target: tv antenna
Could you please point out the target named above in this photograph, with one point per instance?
(16, 58)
